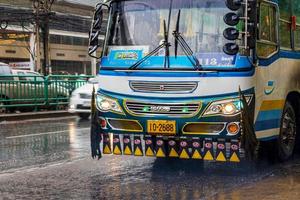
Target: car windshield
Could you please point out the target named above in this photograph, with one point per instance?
(5, 72)
(34, 77)
(136, 28)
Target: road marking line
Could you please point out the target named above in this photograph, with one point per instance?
(36, 120)
(46, 133)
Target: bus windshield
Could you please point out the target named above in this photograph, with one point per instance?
(136, 28)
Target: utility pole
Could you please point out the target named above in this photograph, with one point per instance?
(42, 10)
(37, 54)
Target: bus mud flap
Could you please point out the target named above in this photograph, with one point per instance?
(127, 147)
(117, 144)
(137, 146)
(172, 148)
(106, 144)
(208, 149)
(149, 148)
(160, 148)
(183, 149)
(196, 149)
(221, 151)
(234, 151)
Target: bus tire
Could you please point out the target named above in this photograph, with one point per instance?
(287, 136)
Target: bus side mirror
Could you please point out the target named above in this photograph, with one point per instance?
(98, 27)
(244, 11)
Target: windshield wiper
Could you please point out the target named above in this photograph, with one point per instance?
(185, 47)
(165, 45)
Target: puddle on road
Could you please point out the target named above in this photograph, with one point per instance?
(40, 142)
(124, 177)
(178, 179)
(284, 183)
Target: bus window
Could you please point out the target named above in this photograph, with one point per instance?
(285, 34)
(267, 43)
(297, 32)
(285, 23)
(297, 38)
(285, 9)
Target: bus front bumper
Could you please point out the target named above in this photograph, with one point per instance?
(196, 136)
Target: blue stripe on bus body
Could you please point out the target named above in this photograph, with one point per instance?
(177, 74)
(181, 61)
(172, 99)
(268, 138)
(267, 124)
(280, 54)
(269, 115)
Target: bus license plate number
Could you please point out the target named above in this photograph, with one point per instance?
(164, 127)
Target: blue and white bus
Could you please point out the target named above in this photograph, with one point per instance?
(192, 78)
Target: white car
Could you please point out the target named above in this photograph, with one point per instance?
(80, 101)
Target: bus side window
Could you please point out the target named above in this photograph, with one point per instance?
(297, 32)
(285, 23)
(267, 43)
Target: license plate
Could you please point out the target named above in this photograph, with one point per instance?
(163, 127)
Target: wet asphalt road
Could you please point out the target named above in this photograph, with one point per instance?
(50, 159)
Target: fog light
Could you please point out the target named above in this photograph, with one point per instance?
(233, 128)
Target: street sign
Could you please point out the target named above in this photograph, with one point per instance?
(21, 65)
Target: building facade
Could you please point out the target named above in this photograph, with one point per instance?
(69, 28)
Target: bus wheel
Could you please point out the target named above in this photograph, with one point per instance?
(287, 136)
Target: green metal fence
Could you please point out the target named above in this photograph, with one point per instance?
(37, 92)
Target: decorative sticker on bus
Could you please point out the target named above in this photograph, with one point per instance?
(128, 57)
(124, 57)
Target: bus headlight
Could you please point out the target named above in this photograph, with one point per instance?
(106, 104)
(226, 107)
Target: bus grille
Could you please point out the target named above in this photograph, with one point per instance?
(163, 87)
(163, 109)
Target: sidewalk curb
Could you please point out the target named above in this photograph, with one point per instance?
(35, 115)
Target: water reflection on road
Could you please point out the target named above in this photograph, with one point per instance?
(51, 159)
(40, 142)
